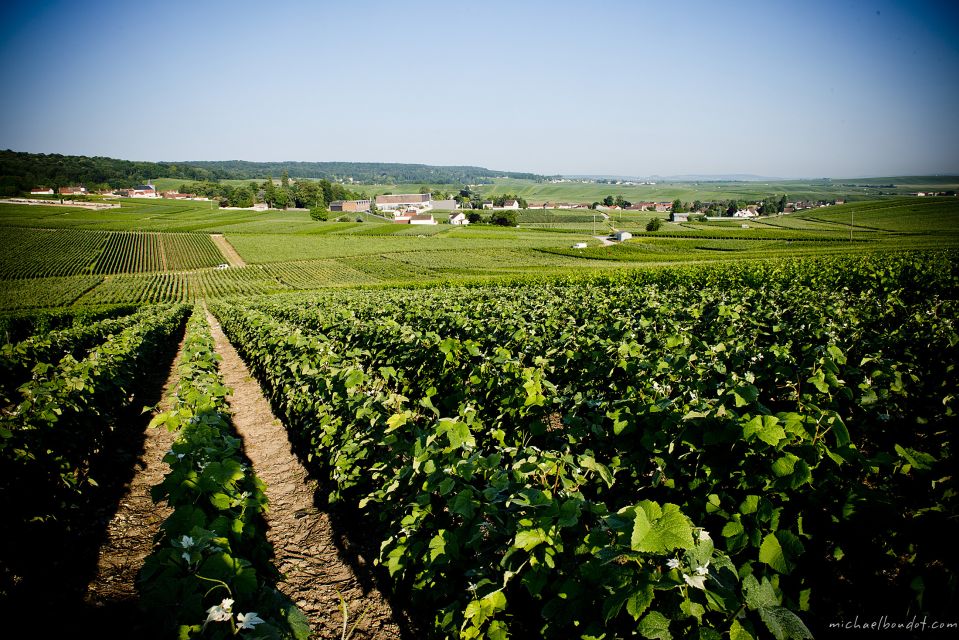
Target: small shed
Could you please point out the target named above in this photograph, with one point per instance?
(619, 236)
(579, 245)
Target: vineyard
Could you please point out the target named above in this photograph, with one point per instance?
(707, 431)
(68, 397)
(734, 450)
(40, 253)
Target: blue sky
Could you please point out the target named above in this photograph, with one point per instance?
(790, 89)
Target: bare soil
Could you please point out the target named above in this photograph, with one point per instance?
(227, 250)
(132, 529)
(318, 566)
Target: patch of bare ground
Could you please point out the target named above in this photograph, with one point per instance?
(318, 567)
(227, 250)
(131, 531)
(78, 577)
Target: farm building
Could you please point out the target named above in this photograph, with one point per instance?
(459, 219)
(678, 217)
(73, 191)
(579, 245)
(41, 191)
(352, 206)
(422, 218)
(444, 205)
(507, 204)
(619, 236)
(143, 191)
(404, 201)
(175, 195)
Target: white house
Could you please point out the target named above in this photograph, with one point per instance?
(143, 191)
(422, 218)
(745, 213)
(73, 191)
(507, 204)
(622, 235)
(42, 191)
(459, 219)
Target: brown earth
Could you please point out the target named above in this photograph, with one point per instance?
(317, 568)
(137, 520)
(227, 250)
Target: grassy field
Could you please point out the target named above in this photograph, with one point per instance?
(156, 251)
(849, 188)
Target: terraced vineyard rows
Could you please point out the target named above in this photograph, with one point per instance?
(40, 253)
(746, 449)
(55, 431)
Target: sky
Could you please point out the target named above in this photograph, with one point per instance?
(784, 89)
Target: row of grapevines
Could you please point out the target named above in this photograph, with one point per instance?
(17, 360)
(763, 405)
(52, 439)
(211, 574)
(42, 253)
(18, 326)
(470, 513)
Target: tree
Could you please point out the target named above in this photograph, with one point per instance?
(474, 217)
(285, 180)
(269, 191)
(319, 213)
(240, 197)
(506, 218)
(654, 224)
(678, 207)
(608, 201)
(782, 204)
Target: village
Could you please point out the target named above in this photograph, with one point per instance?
(423, 209)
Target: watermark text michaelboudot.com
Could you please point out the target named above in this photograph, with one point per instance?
(885, 623)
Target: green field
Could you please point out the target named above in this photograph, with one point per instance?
(159, 251)
(857, 189)
(723, 425)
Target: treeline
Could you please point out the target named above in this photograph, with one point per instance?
(363, 172)
(304, 194)
(20, 172)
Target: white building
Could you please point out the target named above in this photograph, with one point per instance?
(42, 191)
(622, 235)
(422, 218)
(508, 204)
(404, 201)
(444, 205)
(459, 219)
(143, 191)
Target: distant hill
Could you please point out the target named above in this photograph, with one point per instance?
(693, 177)
(363, 172)
(20, 171)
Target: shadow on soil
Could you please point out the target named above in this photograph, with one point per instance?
(45, 573)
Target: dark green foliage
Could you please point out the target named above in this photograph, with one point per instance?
(213, 547)
(57, 427)
(548, 459)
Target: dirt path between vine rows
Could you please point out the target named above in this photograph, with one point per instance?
(316, 571)
(137, 519)
(227, 249)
